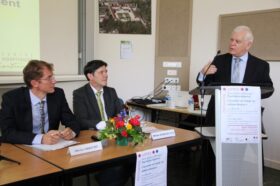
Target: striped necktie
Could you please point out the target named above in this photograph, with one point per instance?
(236, 71)
(42, 114)
(100, 105)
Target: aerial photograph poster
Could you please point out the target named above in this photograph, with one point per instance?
(125, 16)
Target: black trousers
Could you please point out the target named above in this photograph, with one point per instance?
(208, 164)
(116, 175)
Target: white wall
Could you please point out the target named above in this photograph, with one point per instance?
(68, 88)
(204, 46)
(271, 121)
(133, 77)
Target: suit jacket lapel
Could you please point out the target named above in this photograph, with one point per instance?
(106, 97)
(28, 109)
(228, 61)
(92, 99)
(51, 109)
(249, 70)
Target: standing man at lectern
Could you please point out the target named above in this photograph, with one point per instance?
(236, 66)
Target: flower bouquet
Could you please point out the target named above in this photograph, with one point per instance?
(124, 130)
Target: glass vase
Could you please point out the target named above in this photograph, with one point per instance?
(122, 141)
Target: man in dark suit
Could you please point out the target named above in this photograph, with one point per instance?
(252, 70)
(237, 66)
(32, 114)
(85, 99)
(93, 104)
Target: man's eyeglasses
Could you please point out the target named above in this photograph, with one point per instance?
(50, 79)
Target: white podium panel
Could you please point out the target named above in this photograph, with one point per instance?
(238, 136)
(240, 165)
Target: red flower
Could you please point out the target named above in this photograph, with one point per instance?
(137, 117)
(116, 119)
(119, 124)
(124, 133)
(134, 121)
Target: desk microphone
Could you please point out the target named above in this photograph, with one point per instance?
(154, 90)
(157, 90)
(161, 89)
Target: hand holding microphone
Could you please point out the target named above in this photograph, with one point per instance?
(209, 68)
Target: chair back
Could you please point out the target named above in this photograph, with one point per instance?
(262, 125)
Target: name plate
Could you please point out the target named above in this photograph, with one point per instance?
(85, 148)
(163, 134)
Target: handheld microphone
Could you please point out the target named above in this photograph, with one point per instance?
(204, 75)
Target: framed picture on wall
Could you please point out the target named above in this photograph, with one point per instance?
(125, 16)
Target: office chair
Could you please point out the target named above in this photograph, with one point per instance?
(191, 122)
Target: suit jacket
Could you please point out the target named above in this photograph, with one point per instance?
(16, 115)
(257, 72)
(86, 107)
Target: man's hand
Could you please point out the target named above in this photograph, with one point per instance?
(212, 69)
(67, 134)
(52, 137)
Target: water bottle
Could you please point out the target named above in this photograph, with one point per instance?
(170, 101)
(167, 100)
(191, 104)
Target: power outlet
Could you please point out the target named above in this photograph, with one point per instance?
(171, 87)
(171, 80)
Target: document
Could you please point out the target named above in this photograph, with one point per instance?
(150, 129)
(126, 50)
(61, 144)
(240, 114)
(151, 167)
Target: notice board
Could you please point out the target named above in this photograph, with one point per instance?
(265, 26)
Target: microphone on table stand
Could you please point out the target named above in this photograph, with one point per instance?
(151, 97)
(157, 88)
(161, 89)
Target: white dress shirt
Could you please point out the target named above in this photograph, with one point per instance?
(102, 124)
(242, 67)
(36, 117)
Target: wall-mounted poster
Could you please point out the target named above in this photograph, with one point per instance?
(125, 16)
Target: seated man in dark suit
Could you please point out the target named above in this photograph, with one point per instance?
(93, 104)
(88, 99)
(32, 114)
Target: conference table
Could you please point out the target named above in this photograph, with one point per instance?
(30, 169)
(156, 109)
(110, 154)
